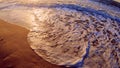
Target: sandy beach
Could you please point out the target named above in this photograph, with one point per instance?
(71, 33)
(15, 51)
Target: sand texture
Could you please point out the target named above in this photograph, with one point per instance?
(15, 51)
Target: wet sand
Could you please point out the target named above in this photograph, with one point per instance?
(15, 51)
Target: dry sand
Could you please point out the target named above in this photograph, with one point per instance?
(15, 51)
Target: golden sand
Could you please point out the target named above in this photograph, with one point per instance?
(15, 51)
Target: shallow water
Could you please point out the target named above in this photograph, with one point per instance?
(26, 14)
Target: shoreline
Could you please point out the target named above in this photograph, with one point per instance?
(15, 51)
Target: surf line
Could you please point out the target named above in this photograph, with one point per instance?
(69, 6)
(72, 7)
